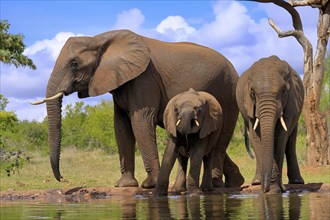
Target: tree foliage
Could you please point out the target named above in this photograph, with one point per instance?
(12, 48)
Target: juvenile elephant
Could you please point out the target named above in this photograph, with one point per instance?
(270, 97)
(193, 122)
(142, 74)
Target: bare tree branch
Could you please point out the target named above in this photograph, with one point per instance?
(312, 3)
(296, 21)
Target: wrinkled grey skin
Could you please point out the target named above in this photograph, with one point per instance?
(193, 122)
(142, 74)
(269, 89)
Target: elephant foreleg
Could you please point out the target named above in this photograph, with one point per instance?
(180, 182)
(256, 143)
(168, 161)
(206, 185)
(196, 157)
(126, 148)
(145, 133)
(291, 158)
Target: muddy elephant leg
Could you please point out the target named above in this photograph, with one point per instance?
(291, 158)
(222, 164)
(218, 163)
(256, 143)
(280, 145)
(126, 148)
(180, 182)
(196, 158)
(145, 134)
(206, 185)
(232, 174)
(168, 161)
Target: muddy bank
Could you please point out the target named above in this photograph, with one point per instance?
(82, 194)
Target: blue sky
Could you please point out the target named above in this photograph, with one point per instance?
(238, 30)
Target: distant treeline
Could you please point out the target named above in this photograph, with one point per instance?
(83, 127)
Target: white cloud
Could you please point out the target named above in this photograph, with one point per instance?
(131, 19)
(176, 28)
(52, 46)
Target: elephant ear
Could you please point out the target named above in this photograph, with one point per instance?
(123, 55)
(243, 95)
(249, 104)
(296, 94)
(212, 116)
(170, 118)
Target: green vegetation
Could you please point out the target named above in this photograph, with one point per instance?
(12, 47)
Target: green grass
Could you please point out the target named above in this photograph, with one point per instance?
(97, 168)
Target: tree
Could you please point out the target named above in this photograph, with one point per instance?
(316, 121)
(12, 48)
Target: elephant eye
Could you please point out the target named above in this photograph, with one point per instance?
(74, 64)
(198, 109)
(252, 95)
(284, 90)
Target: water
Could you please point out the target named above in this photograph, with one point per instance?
(307, 205)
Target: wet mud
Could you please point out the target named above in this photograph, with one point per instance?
(84, 194)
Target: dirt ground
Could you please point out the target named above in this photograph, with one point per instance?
(82, 194)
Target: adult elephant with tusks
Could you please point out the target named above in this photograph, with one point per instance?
(270, 96)
(142, 74)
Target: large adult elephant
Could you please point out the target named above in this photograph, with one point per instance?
(271, 94)
(142, 74)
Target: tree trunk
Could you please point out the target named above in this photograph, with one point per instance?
(317, 139)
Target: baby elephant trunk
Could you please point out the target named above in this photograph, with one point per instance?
(187, 123)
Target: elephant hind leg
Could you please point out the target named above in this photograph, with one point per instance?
(291, 158)
(232, 174)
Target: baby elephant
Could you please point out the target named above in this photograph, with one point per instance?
(193, 121)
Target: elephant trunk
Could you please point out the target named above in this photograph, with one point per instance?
(187, 123)
(54, 110)
(268, 118)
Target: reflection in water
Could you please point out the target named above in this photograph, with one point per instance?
(225, 206)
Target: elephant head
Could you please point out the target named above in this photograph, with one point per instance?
(191, 112)
(268, 93)
(91, 66)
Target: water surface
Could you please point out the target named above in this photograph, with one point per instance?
(307, 205)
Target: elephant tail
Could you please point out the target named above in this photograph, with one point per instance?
(247, 141)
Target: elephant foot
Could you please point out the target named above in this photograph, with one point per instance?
(276, 189)
(297, 180)
(207, 188)
(127, 181)
(256, 180)
(178, 189)
(159, 193)
(233, 177)
(217, 182)
(193, 192)
(149, 182)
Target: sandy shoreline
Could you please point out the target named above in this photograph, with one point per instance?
(82, 194)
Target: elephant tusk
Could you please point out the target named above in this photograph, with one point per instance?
(60, 94)
(256, 124)
(196, 122)
(283, 124)
(178, 122)
(38, 102)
